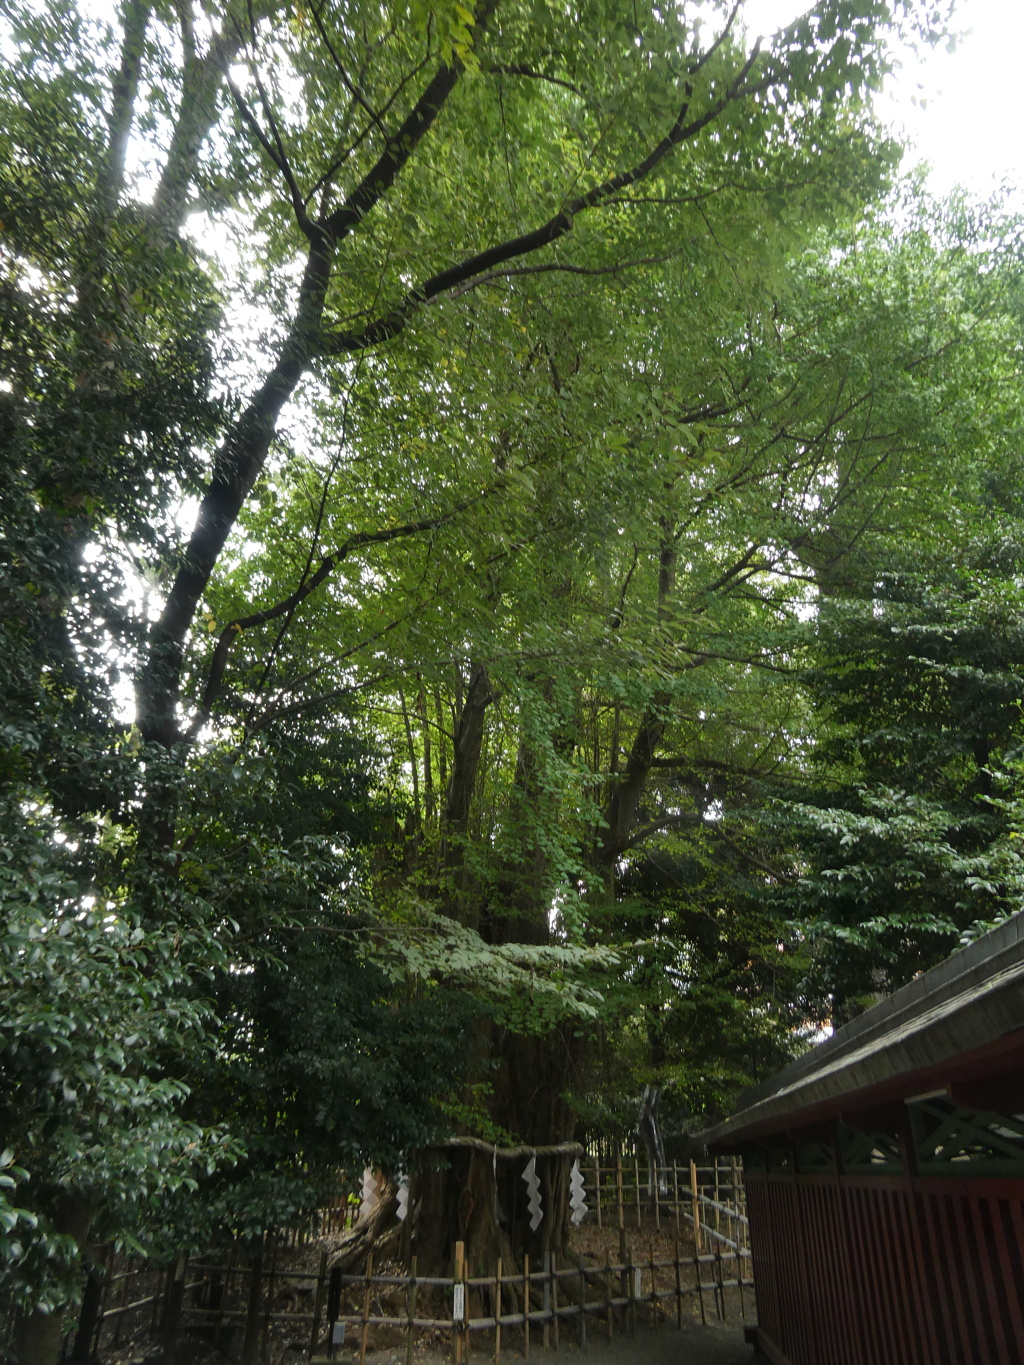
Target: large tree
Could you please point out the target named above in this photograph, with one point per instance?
(379, 356)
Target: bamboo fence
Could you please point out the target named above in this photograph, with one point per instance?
(697, 1214)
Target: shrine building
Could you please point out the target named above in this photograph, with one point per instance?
(885, 1176)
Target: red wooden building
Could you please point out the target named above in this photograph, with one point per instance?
(885, 1176)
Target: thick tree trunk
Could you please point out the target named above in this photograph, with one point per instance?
(468, 745)
(627, 791)
(472, 1192)
(37, 1336)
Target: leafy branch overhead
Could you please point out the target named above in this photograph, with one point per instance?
(509, 544)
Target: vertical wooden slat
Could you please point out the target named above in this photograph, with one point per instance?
(695, 1205)
(554, 1296)
(654, 1294)
(411, 1310)
(608, 1310)
(977, 1208)
(935, 1305)
(526, 1305)
(497, 1313)
(318, 1306)
(460, 1258)
(975, 1322)
(1006, 1288)
(700, 1287)
(945, 1244)
(364, 1328)
(545, 1331)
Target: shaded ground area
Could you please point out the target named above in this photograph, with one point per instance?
(716, 1344)
(695, 1345)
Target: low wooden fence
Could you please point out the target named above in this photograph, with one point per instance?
(539, 1303)
(533, 1307)
(710, 1198)
(287, 1294)
(619, 1194)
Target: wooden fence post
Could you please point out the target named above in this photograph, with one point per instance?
(597, 1187)
(679, 1291)
(175, 1302)
(700, 1287)
(411, 1311)
(609, 1312)
(458, 1291)
(318, 1307)
(121, 1315)
(654, 1295)
(631, 1290)
(554, 1296)
(720, 1286)
(250, 1345)
(159, 1296)
(90, 1318)
(364, 1328)
(497, 1314)
(333, 1306)
(695, 1206)
(739, 1275)
(583, 1303)
(618, 1188)
(546, 1333)
(222, 1306)
(526, 1304)
(269, 1298)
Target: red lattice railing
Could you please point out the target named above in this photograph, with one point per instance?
(875, 1270)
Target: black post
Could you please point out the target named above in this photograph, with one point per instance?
(90, 1317)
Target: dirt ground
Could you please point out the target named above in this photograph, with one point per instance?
(716, 1344)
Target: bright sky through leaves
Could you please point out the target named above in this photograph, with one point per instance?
(960, 110)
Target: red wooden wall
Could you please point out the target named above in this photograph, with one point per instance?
(876, 1270)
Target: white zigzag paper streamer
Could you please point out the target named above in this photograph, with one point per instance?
(369, 1194)
(577, 1195)
(402, 1212)
(533, 1194)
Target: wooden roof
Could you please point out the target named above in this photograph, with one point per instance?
(957, 1028)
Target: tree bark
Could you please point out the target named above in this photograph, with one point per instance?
(466, 751)
(37, 1335)
(623, 808)
(466, 1194)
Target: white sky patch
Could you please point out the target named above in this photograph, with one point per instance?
(960, 110)
(957, 110)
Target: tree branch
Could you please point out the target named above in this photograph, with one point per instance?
(392, 323)
(496, 69)
(614, 269)
(401, 145)
(327, 565)
(244, 450)
(274, 150)
(687, 821)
